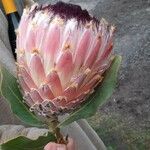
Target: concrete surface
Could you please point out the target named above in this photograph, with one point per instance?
(132, 19)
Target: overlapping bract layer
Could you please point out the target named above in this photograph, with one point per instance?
(62, 53)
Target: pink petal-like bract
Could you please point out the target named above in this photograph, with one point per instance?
(62, 53)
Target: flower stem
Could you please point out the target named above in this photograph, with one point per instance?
(53, 128)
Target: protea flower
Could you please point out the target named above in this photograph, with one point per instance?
(62, 53)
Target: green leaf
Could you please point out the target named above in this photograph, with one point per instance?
(24, 143)
(103, 92)
(10, 91)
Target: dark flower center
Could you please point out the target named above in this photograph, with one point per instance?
(67, 11)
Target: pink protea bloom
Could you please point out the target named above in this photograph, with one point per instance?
(62, 53)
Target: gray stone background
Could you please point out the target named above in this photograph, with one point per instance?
(124, 121)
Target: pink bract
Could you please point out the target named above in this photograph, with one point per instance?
(62, 53)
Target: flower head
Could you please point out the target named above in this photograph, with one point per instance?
(62, 53)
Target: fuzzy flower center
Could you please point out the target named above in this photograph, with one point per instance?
(66, 12)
